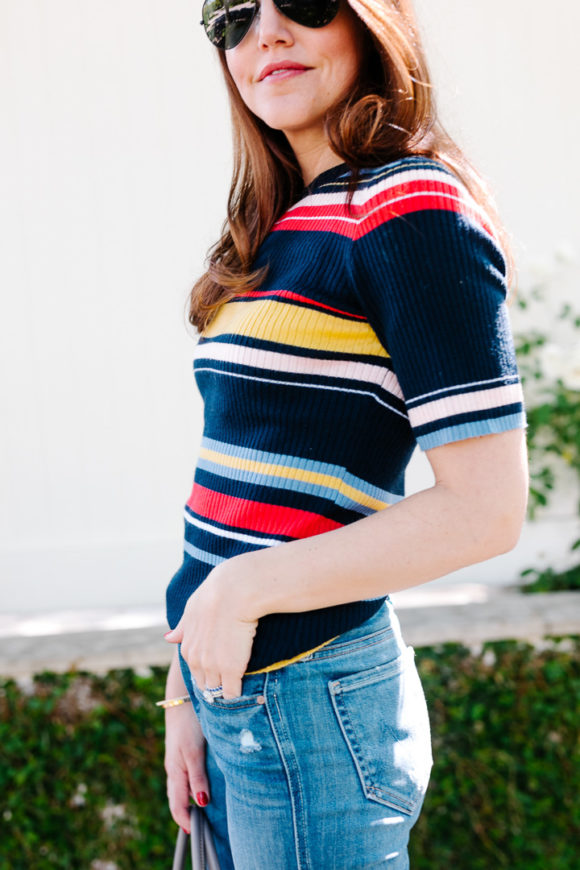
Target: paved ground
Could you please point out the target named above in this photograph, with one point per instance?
(101, 640)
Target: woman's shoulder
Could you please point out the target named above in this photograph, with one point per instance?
(416, 188)
(409, 176)
(413, 166)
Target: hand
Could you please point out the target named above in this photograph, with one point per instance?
(184, 762)
(216, 636)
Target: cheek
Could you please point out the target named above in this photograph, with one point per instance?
(349, 49)
(232, 67)
(236, 65)
(350, 42)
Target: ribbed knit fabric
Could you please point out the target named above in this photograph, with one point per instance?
(378, 327)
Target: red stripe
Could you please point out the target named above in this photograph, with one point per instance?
(257, 516)
(340, 209)
(429, 202)
(288, 294)
(359, 228)
(358, 221)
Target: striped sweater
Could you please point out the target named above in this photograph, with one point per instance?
(379, 326)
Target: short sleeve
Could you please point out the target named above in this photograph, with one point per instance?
(431, 278)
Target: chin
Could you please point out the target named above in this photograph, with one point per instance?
(285, 117)
(287, 123)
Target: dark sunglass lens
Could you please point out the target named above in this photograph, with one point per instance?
(226, 22)
(309, 13)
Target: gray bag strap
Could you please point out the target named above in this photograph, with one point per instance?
(203, 853)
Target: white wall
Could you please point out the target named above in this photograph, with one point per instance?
(506, 73)
(114, 165)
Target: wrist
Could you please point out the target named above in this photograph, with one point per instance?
(237, 585)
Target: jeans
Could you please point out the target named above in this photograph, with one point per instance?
(322, 764)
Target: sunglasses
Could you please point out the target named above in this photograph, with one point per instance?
(226, 22)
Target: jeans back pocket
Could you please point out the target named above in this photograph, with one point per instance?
(383, 717)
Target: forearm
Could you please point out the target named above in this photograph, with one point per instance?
(425, 536)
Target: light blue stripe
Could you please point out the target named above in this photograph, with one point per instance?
(201, 555)
(303, 464)
(470, 430)
(330, 493)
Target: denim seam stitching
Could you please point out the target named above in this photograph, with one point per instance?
(300, 847)
(383, 795)
(378, 793)
(348, 646)
(373, 675)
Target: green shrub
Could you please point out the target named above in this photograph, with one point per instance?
(82, 780)
(504, 786)
(552, 581)
(81, 773)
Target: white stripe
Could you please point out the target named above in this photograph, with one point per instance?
(299, 384)
(379, 207)
(363, 195)
(281, 362)
(460, 387)
(236, 536)
(464, 403)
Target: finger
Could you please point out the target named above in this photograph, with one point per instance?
(176, 635)
(232, 686)
(198, 783)
(212, 679)
(199, 676)
(178, 795)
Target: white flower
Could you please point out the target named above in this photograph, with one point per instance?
(78, 799)
(552, 360)
(566, 253)
(489, 658)
(111, 813)
(571, 372)
(562, 362)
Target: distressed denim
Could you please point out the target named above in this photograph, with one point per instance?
(322, 764)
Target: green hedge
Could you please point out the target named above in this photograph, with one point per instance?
(550, 580)
(82, 781)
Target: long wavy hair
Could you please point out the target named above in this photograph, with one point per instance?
(389, 114)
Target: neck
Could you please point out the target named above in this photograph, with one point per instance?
(313, 155)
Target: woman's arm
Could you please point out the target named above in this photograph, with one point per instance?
(184, 751)
(474, 511)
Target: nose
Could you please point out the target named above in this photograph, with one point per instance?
(272, 25)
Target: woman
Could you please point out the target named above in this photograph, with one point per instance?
(354, 307)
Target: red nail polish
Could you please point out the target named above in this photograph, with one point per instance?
(184, 831)
(202, 799)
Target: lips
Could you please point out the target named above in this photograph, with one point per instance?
(279, 68)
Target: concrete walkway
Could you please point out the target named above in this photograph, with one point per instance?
(101, 640)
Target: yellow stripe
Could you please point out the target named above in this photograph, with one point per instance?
(294, 474)
(297, 658)
(294, 325)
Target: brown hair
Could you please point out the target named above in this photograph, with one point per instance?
(390, 114)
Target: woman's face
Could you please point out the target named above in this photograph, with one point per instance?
(316, 67)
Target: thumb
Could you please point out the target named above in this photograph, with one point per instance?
(176, 635)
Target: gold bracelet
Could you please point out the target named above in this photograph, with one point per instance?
(173, 702)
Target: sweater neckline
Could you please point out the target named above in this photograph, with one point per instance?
(323, 177)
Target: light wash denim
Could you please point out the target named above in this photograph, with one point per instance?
(322, 764)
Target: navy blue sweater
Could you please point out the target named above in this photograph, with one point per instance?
(379, 326)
